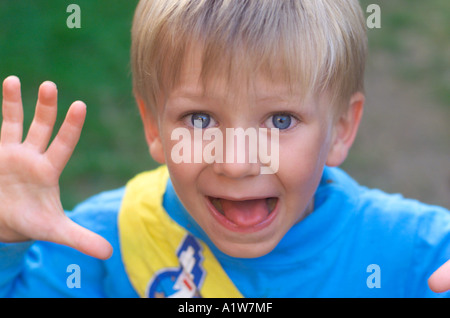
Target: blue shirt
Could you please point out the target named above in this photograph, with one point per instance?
(358, 242)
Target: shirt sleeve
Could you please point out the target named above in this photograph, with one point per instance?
(11, 264)
(45, 269)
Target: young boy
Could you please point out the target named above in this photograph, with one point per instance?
(206, 224)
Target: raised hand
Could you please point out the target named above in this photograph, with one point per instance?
(30, 206)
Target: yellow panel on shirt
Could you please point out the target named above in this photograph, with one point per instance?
(161, 258)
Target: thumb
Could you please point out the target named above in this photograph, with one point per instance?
(74, 235)
(439, 282)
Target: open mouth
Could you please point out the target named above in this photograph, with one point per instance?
(244, 214)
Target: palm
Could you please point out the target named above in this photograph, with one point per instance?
(29, 186)
(30, 171)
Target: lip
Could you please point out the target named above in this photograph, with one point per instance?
(222, 220)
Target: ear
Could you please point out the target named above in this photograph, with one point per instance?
(151, 130)
(345, 129)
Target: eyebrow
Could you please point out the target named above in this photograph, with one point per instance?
(193, 98)
(187, 93)
(188, 99)
(195, 94)
(272, 98)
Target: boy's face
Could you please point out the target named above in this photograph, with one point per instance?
(243, 212)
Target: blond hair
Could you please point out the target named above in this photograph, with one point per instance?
(318, 44)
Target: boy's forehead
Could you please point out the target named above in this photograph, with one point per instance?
(194, 83)
(257, 88)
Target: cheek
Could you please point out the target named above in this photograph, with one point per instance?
(302, 159)
(302, 153)
(182, 172)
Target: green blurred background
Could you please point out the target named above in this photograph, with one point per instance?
(404, 141)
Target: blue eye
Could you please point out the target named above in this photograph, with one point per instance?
(281, 121)
(200, 120)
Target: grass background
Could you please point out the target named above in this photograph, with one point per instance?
(410, 52)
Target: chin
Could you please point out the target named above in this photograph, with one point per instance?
(245, 250)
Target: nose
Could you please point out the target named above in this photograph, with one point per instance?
(240, 158)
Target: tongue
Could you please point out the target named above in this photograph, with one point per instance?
(245, 213)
